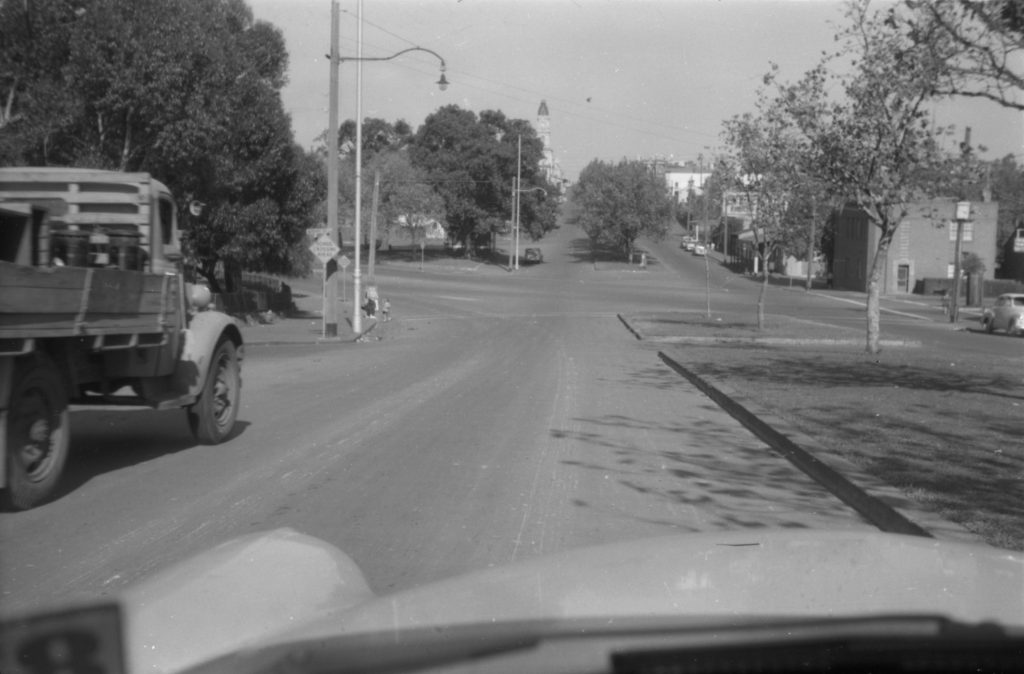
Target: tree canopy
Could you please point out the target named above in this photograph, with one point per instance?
(188, 90)
(977, 45)
(471, 161)
(616, 204)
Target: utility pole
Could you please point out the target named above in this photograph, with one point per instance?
(330, 288)
(357, 286)
(810, 242)
(373, 227)
(519, 179)
(512, 223)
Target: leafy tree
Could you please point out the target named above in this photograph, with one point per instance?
(768, 151)
(471, 161)
(875, 143)
(406, 197)
(618, 203)
(378, 135)
(188, 90)
(35, 103)
(1007, 181)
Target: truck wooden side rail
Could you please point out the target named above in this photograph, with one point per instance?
(94, 309)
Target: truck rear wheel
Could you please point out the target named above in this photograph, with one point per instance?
(38, 433)
(212, 417)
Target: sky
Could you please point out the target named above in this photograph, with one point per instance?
(621, 78)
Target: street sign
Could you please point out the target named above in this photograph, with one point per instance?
(324, 248)
(344, 262)
(963, 210)
(1018, 242)
(740, 205)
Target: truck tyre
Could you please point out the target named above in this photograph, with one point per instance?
(38, 433)
(212, 416)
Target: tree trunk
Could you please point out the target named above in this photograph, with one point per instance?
(232, 276)
(810, 245)
(874, 290)
(127, 146)
(761, 296)
(707, 285)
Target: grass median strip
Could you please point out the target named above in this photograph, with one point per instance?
(946, 432)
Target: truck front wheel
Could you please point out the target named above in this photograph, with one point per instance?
(37, 433)
(212, 416)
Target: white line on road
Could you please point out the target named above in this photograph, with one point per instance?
(864, 304)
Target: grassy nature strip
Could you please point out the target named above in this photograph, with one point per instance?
(948, 433)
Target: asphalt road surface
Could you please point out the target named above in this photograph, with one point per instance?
(502, 416)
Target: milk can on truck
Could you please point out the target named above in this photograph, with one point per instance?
(95, 310)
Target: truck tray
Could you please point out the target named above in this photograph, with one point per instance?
(83, 301)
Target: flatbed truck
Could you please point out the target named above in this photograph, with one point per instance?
(95, 310)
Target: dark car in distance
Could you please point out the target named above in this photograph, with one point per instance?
(533, 255)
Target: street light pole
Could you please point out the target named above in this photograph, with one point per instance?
(336, 60)
(518, 181)
(330, 287)
(357, 275)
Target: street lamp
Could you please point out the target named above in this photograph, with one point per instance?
(332, 133)
(516, 192)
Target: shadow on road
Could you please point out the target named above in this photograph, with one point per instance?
(104, 441)
(721, 484)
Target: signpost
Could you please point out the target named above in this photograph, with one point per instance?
(325, 249)
(963, 214)
(343, 263)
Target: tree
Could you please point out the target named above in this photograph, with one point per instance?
(875, 145)
(618, 203)
(768, 155)
(406, 197)
(1007, 181)
(976, 45)
(472, 160)
(35, 103)
(188, 90)
(378, 135)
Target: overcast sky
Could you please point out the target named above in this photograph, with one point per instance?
(622, 78)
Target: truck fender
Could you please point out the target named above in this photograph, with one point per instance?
(202, 336)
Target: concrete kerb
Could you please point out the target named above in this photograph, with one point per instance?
(766, 341)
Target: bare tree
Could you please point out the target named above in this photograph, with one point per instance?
(977, 46)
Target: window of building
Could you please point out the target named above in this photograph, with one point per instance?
(968, 230)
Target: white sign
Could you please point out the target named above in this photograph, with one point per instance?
(740, 204)
(324, 248)
(1018, 242)
(963, 210)
(344, 262)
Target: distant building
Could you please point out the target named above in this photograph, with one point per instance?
(548, 166)
(922, 248)
(681, 179)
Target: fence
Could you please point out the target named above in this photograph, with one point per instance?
(260, 294)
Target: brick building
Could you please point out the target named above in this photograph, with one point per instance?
(923, 246)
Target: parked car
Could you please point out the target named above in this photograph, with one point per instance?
(689, 245)
(700, 249)
(533, 255)
(1006, 314)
